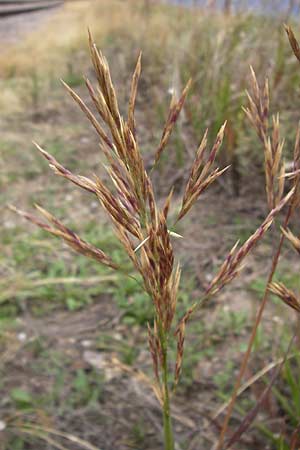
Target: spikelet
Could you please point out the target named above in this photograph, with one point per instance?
(83, 182)
(104, 80)
(174, 112)
(116, 210)
(296, 180)
(258, 114)
(180, 350)
(293, 41)
(154, 350)
(71, 238)
(258, 110)
(201, 175)
(180, 335)
(286, 295)
(133, 94)
(99, 129)
(292, 238)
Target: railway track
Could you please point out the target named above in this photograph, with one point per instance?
(14, 7)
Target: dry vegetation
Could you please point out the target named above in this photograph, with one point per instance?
(73, 333)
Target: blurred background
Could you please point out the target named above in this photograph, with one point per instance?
(74, 359)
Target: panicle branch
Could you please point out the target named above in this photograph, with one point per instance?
(286, 295)
(233, 263)
(201, 174)
(174, 111)
(133, 94)
(292, 238)
(83, 182)
(258, 115)
(71, 238)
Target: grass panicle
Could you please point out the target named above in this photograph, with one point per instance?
(142, 225)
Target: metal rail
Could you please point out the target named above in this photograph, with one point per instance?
(13, 7)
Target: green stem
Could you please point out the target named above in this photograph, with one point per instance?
(168, 429)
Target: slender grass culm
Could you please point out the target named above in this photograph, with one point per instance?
(142, 227)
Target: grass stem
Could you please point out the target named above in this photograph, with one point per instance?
(168, 428)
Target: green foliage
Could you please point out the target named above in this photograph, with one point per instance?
(127, 351)
(17, 443)
(22, 399)
(286, 393)
(37, 285)
(223, 380)
(138, 434)
(135, 303)
(86, 388)
(72, 78)
(287, 275)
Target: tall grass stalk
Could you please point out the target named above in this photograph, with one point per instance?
(167, 420)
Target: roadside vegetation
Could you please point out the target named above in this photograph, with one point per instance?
(75, 368)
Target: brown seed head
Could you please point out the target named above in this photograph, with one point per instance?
(286, 295)
(293, 41)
